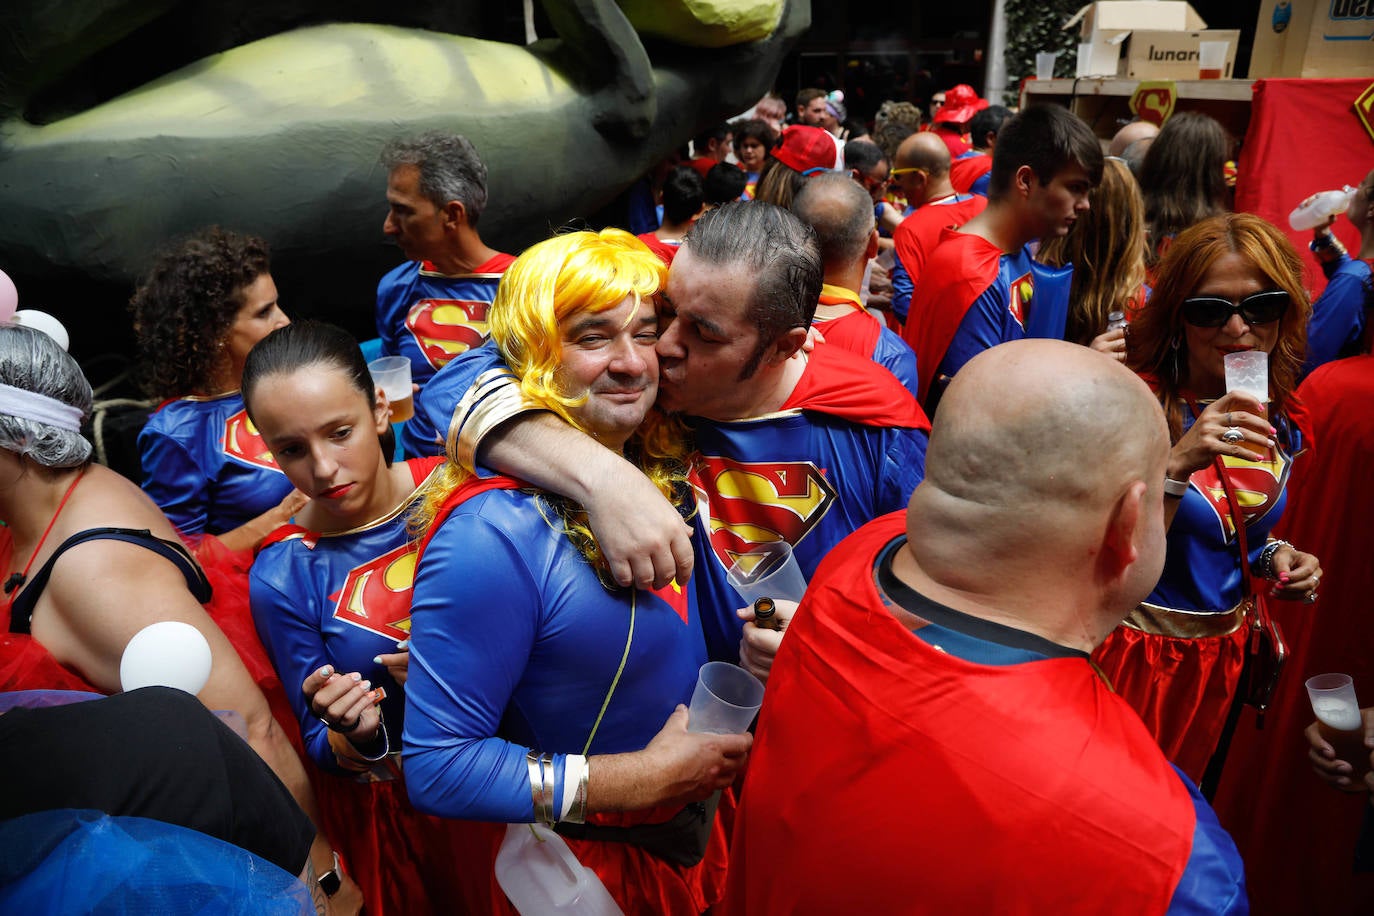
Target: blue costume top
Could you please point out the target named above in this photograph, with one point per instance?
(206, 467)
(1201, 568)
(514, 648)
(1026, 299)
(431, 317)
(337, 599)
(423, 434)
(1336, 328)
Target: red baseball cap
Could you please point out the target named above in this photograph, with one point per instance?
(807, 149)
(961, 104)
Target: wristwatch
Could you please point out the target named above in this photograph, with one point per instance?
(332, 880)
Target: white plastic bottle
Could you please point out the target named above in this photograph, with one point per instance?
(540, 875)
(1318, 208)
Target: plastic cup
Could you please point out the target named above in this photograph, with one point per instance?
(1211, 59)
(768, 571)
(1248, 371)
(1338, 718)
(1044, 64)
(725, 700)
(392, 375)
(1085, 59)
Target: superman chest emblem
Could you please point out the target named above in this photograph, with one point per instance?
(242, 442)
(443, 328)
(1019, 300)
(1257, 484)
(749, 503)
(376, 595)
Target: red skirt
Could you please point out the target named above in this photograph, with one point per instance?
(1181, 685)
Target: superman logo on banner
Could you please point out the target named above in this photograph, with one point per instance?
(443, 328)
(1258, 485)
(1154, 100)
(376, 595)
(1364, 109)
(1021, 293)
(242, 442)
(673, 595)
(749, 503)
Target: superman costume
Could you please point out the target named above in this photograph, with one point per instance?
(971, 173)
(863, 334)
(961, 767)
(1337, 327)
(342, 599)
(1294, 831)
(206, 466)
(972, 296)
(664, 250)
(431, 317)
(1177, 657)
(517, 646)
(918, 234)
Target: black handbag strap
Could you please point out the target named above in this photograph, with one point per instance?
(21, 611)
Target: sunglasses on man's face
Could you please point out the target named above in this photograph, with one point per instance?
(1257, 308)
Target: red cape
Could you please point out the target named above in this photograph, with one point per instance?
(917, 235)
(957, 272)
(1295, 832)
(664, 251)
(856, 389)
(964, 172)
(856, 332)
(889, 777)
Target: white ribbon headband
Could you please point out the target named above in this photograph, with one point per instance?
(28, 405)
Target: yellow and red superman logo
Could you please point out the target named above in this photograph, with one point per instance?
(749, 503)
(376, 595)
(1019, 300)
(443, 328)
(675, 596)
(1257, 485)
(243, 442)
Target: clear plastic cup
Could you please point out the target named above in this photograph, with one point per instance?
(1044, 64)
(768, 571)
(1248, 371)
(392, 375)
(1339, 720)
(1211, 59)
(725, 700)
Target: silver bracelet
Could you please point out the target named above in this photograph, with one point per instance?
(1264, 566)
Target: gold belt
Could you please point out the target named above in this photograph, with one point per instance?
(1163, 621)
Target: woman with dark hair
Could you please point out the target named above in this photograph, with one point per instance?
(202, 307)
(331, 599)
(753, 140)
(1228, 284)
(1183, 178)
(90, 561)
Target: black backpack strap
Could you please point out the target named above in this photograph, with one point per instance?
(21, 611)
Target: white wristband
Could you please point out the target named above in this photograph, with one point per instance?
(1175, 488)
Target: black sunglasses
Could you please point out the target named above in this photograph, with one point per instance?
(1257, 308)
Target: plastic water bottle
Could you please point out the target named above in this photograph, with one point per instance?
(540, 875)
(1318, 208)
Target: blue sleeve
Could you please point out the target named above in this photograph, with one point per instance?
(897, 357)
(1338, 316)
(904, 466)
(424, 433)
(987, 323)
(175, 481)
(1213, 882)
(980, 186)
(296, 648)
(474, 620)
(902, 288)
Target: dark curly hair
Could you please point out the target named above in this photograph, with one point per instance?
(186, 305)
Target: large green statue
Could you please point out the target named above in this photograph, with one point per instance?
(120, 130)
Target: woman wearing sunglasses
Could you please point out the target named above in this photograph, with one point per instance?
(1229, 283)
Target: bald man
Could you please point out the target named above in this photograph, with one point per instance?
(1130, 143)
(934, 738)
(922, 172)
(841, 212)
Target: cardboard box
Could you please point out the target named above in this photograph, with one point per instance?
(1149, 39)
(1314, 38)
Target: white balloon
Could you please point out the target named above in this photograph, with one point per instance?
(166, 654)
(42, 321)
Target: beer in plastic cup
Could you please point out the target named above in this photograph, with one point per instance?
(1211, 57)
(1338, 719)
(392, 375)
(1248, 371)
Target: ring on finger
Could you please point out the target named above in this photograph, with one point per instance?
(1228, 419)
(1232, 436)
(1310, 598)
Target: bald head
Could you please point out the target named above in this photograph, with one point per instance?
(841, 212)
(1132, 132)
(924, 151)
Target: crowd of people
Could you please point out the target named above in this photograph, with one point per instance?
(968, 368)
